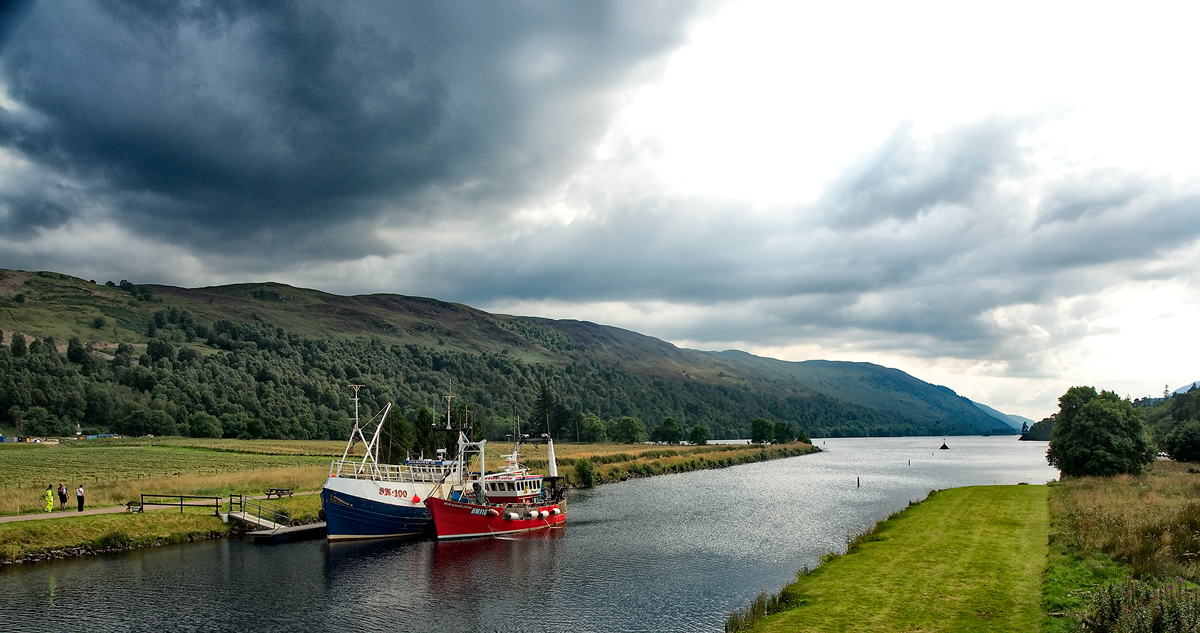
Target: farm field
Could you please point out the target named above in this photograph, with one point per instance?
(114, 474)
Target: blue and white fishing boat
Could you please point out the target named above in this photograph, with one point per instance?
(363, 498)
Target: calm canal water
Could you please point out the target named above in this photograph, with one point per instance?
(670, 553)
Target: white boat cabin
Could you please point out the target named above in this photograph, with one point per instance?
(511, 489)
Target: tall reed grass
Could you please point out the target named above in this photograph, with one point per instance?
(1150, 522)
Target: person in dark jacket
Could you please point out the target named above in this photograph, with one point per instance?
(62, 496)
(79, 496)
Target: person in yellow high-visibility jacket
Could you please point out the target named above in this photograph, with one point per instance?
(50, 498)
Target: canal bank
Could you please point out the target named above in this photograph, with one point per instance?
(964, 559)
(664, 554)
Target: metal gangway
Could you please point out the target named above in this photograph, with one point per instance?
(258, 512)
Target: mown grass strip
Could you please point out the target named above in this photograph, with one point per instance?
(965, 559)
(106, 531)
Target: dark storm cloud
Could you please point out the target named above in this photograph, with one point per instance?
(914, 249)
(226, 126)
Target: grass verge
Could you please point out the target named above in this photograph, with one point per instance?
(1106, 530)
(55, 538)
(965, 559)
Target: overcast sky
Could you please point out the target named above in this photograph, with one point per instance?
(1004, 200)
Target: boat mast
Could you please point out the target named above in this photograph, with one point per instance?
(355, 432)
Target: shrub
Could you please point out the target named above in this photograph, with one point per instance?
(1130, 606)
(1183, 443)
(585, 471)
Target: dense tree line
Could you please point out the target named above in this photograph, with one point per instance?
(1175, 424)
(234, 379)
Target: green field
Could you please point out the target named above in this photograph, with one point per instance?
(114, 474)
(965, 559)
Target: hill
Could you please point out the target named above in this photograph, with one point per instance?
(272, 359)
(1013, 420)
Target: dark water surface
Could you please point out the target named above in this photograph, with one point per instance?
(670, 553)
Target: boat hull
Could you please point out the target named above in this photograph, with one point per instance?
(457, 520)
(365, 509)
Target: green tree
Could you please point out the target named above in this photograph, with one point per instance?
(397, 439)
(1097, 434)
(234, 425)
(157, 349)
(19, 347)
(585, 470)
(256, 429)
(761, 431)
(39, 421)
(423, 423)
(627, 430)
(76, 352)
(201, 424)
(669, 432)
(593, 429)
(544, 410)
(1183, 443)
(147, 422)
(782, 433)
(698, 435)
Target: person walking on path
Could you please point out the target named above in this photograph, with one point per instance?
(62, 496)
(79, 496)
(50, 498)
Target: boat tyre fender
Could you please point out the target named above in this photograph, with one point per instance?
(321, 514)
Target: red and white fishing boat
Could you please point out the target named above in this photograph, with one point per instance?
(489, 504)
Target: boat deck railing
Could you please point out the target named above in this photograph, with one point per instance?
(428, 472)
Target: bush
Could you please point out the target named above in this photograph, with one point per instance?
(585, 471)
(1183, 443)
(1129, 606)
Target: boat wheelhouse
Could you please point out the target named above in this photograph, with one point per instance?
(488, 504)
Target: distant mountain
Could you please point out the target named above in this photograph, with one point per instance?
(1015, 421)
(284, 354)
(1188, 387)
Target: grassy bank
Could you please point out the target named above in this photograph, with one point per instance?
(53, 538)
(965, 559)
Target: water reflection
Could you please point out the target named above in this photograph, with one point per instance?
(672, 553)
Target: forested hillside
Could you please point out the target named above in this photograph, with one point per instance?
(270, 360)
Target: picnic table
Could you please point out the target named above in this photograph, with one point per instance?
(279, 492)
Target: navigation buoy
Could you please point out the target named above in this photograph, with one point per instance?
(416, 498)
(944, 447)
